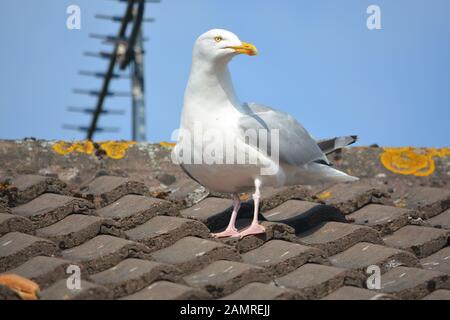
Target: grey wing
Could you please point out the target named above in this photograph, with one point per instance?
(296, 146)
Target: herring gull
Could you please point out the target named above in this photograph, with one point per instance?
(232, 147)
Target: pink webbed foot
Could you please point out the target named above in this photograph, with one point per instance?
(229, 232)
(254, 229)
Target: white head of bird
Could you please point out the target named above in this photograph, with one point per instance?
(220, 46)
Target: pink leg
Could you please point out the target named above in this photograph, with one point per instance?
(255, 227)
(231, 230)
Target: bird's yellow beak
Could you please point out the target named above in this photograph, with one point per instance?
(246, 48)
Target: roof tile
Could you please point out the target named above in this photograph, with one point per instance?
(281, 257)
(49, 208)
(385, 219)
(72, 231)
(132, 275)
(104, 251)
(274, 230)
(334, 237)
(224, 277)
(428, 201)
(363, 254)
(273, 197)
(355, 293)
(11, 222)
(441, 221)
(316, 281)
(262, 291)
(440, 261)
(107, 189)
(164, 290)
(190, 254)
(302, 215)
(214, 212)
(422, 241)
(349, 197)
(88, 291)
(44, 270)
(132, 210)
(16, 248)
(31, 186)
(163, 231)
(412, 283)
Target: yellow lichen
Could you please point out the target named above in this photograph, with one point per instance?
(325, 195)
(65, 148)
(167, 144)
(244, 196)
(113, 149)
(116, 149)
(412, 161)
(83, 147)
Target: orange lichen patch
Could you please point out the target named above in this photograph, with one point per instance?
(167, 144)
(412, 161)
(25, 288)
(160, 194)
(325, 195)
(65, 148)
(113, 149)
(244, 196)
(116, 149)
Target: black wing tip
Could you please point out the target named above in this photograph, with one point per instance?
(354, 138)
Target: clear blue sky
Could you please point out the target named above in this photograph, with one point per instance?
(318, 61)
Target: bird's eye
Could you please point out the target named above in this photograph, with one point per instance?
(218, 39)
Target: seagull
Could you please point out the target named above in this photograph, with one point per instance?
(212, 116)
